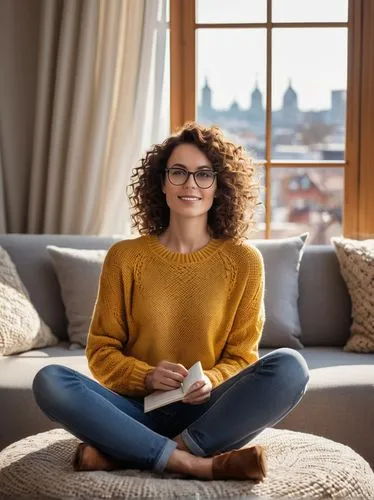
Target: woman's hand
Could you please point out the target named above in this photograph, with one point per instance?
(199, 392)
(165, 376)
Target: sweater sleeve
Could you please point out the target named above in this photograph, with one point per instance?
(108, 335)
(241, 348)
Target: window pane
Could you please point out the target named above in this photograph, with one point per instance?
(307, 11)
(309, 93)
(231, 11)
(307, 199)
(231, 76)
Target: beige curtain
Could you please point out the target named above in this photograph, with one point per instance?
(98, 83)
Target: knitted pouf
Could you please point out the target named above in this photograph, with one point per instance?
(299, 466)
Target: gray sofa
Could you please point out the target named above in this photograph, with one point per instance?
(339, 403)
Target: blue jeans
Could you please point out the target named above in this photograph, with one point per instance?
(240, 408)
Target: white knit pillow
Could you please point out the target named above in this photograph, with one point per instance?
(356, 259)
(21, 328)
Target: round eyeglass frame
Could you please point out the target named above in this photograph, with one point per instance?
(188, 176)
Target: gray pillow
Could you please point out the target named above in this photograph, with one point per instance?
(282, 262)
(78, 273)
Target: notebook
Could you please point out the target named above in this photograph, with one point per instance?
(162, 398)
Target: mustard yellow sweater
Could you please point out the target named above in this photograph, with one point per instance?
(154, 304)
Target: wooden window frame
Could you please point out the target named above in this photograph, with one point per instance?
(358, 204)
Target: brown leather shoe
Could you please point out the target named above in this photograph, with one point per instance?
(87, 457)
(246, 463)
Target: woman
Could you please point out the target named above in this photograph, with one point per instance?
(188, 289)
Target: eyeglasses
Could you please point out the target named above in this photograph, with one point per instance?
(179, 176)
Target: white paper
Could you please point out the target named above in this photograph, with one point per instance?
(195, 373)
(162, 398)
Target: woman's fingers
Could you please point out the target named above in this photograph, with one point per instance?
(170, 375)
(198, 392)
(166, 379)
(174, 368)
(196, 387)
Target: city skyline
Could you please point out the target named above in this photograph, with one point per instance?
(255, 87)
(232, 59)
(308, 119)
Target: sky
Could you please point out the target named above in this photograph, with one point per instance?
(313, 59)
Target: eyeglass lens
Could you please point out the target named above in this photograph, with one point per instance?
(203, 178)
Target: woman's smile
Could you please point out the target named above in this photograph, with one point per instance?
(189, 199)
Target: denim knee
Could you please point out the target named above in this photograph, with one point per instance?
(47, 386)
(291, 368)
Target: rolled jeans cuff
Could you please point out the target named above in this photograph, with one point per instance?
(164, 456)
(191, 445)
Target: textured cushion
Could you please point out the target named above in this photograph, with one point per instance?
(21, 328)
(299, 465)
(78, 273)
(356, 259)
(282, 261)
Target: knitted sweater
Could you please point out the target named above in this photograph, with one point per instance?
(154, 304)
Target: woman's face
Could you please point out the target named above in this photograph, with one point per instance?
(188, 199)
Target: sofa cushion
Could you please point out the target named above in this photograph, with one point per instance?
(20, 415)
(34, 265)
(324, 302)
(78, 273)
(356, 259)
(21, 328)
(282, 261)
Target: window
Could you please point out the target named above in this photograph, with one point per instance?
(274, 74)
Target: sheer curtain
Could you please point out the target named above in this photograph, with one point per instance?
(149, 118)
(98, 96)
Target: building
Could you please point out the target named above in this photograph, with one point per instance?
(296, 134)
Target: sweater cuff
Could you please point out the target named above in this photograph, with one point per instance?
(215, 376)
(139, 372)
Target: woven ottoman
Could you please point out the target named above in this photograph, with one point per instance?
(299, 466)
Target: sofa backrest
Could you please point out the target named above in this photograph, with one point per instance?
(324, 303)
(30, 255)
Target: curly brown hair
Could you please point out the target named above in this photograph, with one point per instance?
(233, 209)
